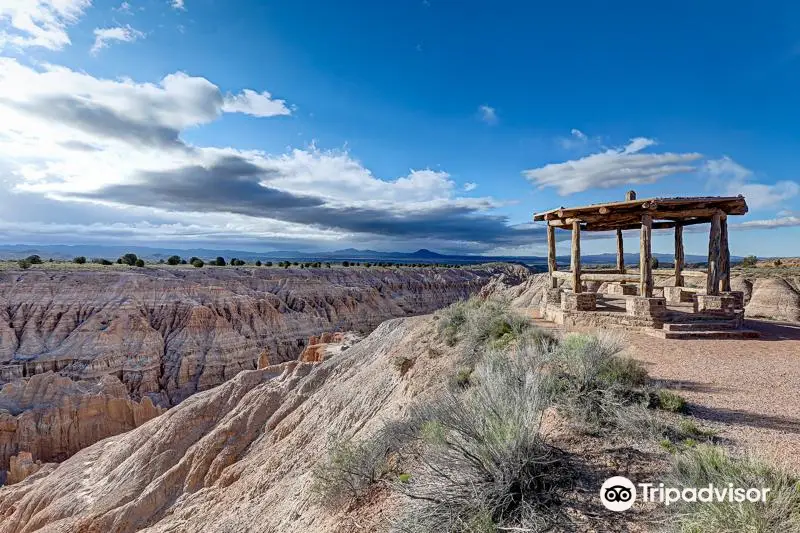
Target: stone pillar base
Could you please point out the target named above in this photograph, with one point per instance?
(675, 295)
(552, 296)
(626, 289)
(582, 301)
(717, 305)
(642, 306)
(738, 298)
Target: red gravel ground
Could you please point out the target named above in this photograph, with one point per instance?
(749, 390)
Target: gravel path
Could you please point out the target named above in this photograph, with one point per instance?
(747, 389)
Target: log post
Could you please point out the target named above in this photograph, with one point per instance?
(712, 278)
(620, 253)
(552, 264)
(725, 255)
(576, 257)
(645, 253)
(679, 257)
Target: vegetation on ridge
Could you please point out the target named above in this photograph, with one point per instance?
(473, 459)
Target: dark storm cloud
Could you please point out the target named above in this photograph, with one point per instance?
(97, 119)
(233, 185)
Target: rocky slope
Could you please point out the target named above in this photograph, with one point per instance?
(51, 417)
(775, 298)
(170, 332)
(238, 457)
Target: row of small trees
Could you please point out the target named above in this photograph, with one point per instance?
(132, 259)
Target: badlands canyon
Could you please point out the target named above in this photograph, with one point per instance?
(200, 400)
(88, 354)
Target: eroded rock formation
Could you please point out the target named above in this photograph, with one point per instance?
(170, 332)
(52, 417)
(238, 457)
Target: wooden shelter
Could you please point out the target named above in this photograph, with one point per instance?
(646, 215)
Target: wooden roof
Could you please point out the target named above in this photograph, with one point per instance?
(628, 214)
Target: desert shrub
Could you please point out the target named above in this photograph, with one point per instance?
(24, 264)
(140, 262)
(351, 467)
(704, 464)
(402, 364)
(487, 324)
(219, 261)
(197, 263)
(670, 401)
(592, 382)
(654, 262)
(777, 262)
(749, 261)
(174, 260)
(269, 264)
(128, 259)
(101, 261)
(79, 260)
(482, 464)
(258, 262)
(34, 259)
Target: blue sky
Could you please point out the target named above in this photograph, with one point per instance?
(390, 125)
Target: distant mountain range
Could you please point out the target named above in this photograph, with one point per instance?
(63, 251)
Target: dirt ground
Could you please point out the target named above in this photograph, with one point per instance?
(749, 390)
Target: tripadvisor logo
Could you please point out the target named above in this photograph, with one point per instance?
(618, 493)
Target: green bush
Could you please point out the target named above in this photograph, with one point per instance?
(219, 261)
(34, 259)
(594, 386)
(101, 261)
(140, 262)
(349, 469)
(258, 262)
(128, 259)
(79, 260)
(487, 324)
(702, 465)
(482, 464)
(174, 260)
(749, 261)
(197, 263)
(24, 264)
(669, 401)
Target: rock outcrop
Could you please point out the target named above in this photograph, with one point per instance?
(22, 466)
(773, 298)
(52, 417)
(238, 457)
(167, 333)
(321, 347)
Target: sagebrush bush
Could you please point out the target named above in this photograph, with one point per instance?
(488, 324)
(349, 469)
(593, 385)
(670, 401)
(482, 463)
(704, 464)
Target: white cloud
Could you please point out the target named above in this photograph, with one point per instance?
(71, 137)
(732, 179)
(124, 7)
(178, 4)
(104, 36)
(488, 114)
(470, 186)
(41, 23)
(577, 139)
(772, 223)
(253, 103)
(611, 168)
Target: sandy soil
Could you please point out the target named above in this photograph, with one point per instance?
(749, 390)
